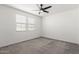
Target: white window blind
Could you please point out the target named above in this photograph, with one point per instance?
(31, 23)
(20, 23)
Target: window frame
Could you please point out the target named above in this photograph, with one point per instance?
(29, 27)
(25, 23)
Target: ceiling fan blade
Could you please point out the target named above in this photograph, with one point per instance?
(46, 11)
(47, 7)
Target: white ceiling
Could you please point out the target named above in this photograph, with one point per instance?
(55, 8)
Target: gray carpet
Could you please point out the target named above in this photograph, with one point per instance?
(41, 46)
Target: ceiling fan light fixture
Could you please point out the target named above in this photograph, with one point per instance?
(41, 11)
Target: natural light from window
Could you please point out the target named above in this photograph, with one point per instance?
(31, 23)
(20, 23)
(23, 23)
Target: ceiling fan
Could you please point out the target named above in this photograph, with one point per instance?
(43, 9)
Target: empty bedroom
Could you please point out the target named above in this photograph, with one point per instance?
(39, 28)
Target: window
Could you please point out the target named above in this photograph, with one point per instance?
(20, 23)
(31, 24)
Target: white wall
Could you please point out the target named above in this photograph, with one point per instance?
(62, 26)
(8, 34)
